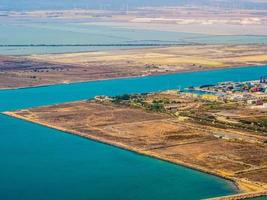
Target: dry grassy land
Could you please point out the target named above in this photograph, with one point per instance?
(73, 67)
(242, 157)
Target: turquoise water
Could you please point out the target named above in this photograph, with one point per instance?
(31, 97)
(52, 32)
(41, 163)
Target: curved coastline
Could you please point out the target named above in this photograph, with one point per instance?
(239, 185)
(235, 184)
(244, 189)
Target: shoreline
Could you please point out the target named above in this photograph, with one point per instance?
(133, 77)
(244, 188)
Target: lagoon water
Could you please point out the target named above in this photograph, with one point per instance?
(51, 33)
(42, 163)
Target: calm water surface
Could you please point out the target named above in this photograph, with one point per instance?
(41, 163)
(52, 32)
(31, 97)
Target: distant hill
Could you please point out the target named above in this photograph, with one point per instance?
(121, 4)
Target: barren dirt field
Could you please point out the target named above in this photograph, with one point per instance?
(162, 136)
(74, 67)
(16, 72)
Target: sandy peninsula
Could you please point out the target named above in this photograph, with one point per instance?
(236, 154)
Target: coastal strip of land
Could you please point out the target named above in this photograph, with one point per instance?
(236, 154)
(40, 70)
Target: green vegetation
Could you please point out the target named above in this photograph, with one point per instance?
(136, 100)
(255, 124)
(221, 105)
(156, 107)
(139, 100)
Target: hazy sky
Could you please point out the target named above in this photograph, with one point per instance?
(119, 4)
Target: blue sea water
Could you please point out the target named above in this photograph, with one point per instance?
(42, 163)
(45, 164)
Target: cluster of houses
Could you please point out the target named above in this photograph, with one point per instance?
(251, 92)
(242, 87)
